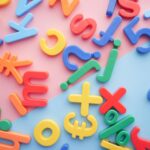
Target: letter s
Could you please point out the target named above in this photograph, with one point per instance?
(78, 26)
(129, 9)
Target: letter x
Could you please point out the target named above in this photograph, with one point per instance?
(112, 101)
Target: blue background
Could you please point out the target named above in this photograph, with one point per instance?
(131, 71)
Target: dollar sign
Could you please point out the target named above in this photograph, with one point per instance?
(80, 131)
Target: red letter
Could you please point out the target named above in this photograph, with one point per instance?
(34, 89)
(130, 8)
(78, 26)
(138, 142)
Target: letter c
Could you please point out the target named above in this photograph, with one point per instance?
(59, 46)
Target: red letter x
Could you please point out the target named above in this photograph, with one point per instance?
(112, 100)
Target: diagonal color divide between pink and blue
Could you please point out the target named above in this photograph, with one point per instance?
(30, 48)
(132, 74)
(131, 71)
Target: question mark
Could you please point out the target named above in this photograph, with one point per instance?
(77, 51)
(91, 64)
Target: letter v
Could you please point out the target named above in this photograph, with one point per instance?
(66, 6)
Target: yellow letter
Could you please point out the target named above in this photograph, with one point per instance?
(60, 45)
(41, 126)
(66, 7)
(4, 2)
(112, 146)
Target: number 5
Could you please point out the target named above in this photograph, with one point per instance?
(134, 37)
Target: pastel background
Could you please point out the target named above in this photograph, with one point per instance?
(132, 74)
(131, 70)
(46, 18)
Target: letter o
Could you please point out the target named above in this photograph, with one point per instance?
(41, 126)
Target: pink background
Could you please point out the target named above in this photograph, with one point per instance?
(46, 18)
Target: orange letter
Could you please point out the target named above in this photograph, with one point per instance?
(16, 138)
(66, 7)
(17, 103)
